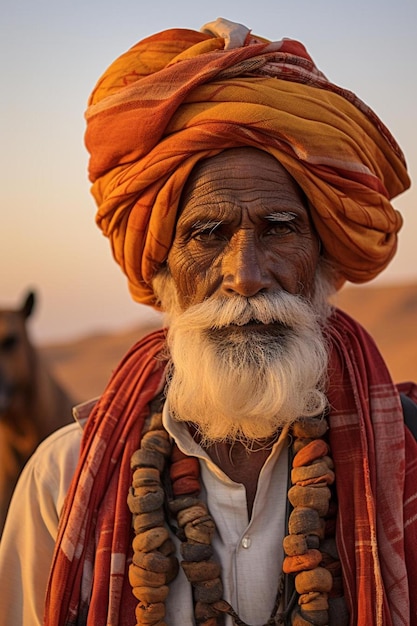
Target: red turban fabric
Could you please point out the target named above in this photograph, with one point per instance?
(181, 96)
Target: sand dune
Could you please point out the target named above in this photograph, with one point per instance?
(388, 313)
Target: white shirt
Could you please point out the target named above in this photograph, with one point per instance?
(249, 551)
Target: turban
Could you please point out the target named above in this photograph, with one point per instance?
(180, 96)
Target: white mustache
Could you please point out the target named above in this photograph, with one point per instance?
(281, 308)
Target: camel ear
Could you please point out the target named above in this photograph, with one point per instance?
(29, 304)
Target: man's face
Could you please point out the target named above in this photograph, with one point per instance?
(244, 229)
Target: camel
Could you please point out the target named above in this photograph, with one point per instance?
(32, 403)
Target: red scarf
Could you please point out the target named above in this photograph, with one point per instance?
(376, 473)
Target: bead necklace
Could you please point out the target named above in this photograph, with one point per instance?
(164, 478)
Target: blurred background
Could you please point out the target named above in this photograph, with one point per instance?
(52, 53)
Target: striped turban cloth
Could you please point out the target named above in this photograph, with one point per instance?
(181, 96)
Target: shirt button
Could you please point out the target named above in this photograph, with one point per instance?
(246, 542)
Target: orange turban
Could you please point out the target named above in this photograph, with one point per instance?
(180, 96)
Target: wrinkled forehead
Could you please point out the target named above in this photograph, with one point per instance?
(238, 170)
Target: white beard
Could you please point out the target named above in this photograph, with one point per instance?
(244, 383)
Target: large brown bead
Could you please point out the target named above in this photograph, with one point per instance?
(167, 547)
(184, 467)
(201, 530)
(145, 499)
(312, 497)
(191, 514)
(208, 591)
(139, 577)
(204, 611)
(146, 521)
(317, 618)
(318, 579)
(146, 477)
(186, 485)
(150, 613)
(196, 551)
(297, 619)
(183, 502)
(313, 427)
(298, 444)
(314, 601)
(312, 472)
(314, 450)
(304, 520)
(147, 458)
(157, 440)
(153, 561)
(295, 544)
(150, 595)
(199, 571)
(150, 539)
(153, 422)
(299, 562)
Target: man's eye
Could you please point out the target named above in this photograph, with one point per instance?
(211, 232)
(279, 229)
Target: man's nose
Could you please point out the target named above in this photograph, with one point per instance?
(244, 271)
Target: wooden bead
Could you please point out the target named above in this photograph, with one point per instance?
(204, 611)
(153, 422)
(304, 520)
(295, 544)
(208, 591)
(150, 613)
(150, 595)
(318, 618)
(312, 497)
(186, 485)
(191, 514)
(314, 450)
(297, 619)
(146, 521)
(200, 571)
(313, 541)
(153, 561)
(145, 477)
(167, 547)
(201, 530)
(157, 440)
(300, 443)
(313, 427)
(183, 502)
(139, 577)
(196, 551)
(184, 467)
(147, 458)
(318, 579)
(299, 562)
(150, 539)
(315, 472)
(145, 499)
(314, 601)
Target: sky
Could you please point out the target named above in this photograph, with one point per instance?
(51, 54)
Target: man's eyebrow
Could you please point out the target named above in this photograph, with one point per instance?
(206, 224)
(281, 216)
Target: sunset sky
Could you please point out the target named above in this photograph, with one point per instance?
(52, 53)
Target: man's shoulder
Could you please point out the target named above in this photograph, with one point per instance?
(59, 450)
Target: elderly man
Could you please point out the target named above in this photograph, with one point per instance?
(250, 464)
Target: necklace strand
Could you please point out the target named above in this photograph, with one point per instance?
(166, 488)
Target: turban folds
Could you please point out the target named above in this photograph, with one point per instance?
(181, 96)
